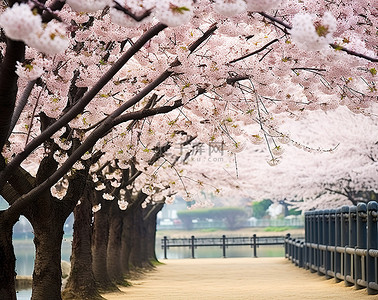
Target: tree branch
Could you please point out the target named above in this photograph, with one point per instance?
(141, 114)
(254, 52)
(206, 34)
(350, 52)
(130, 14)
(20, 106)
(15, 51)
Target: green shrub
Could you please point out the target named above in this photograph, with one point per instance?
(259, 209)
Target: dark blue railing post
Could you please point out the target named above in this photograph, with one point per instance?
(312, 240)
(306, 241)
(254, 245)
(372, 244)
(320, 257)
(301, 254)
(332, 242)
(352, 243)
(361, 243)
(292, 250)
(224, 245)
(344, 237)
(192, 245)
(165, 247)
(315, 237)
(337, 244)
(287, 245)
(325, 241)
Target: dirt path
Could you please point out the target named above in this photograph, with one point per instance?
(235, 279)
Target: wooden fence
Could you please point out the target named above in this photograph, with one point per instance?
(223, 242)
(340, 244)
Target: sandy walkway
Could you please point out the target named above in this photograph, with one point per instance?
(234, 279)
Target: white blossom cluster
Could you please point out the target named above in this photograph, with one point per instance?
(122, 204)
(28, 71)
(21, 24)
(230, 8)
(96, 208)
(264, 5)
(88, 5)
(310, 35)
(50, 39)
(174, 13)
(107, 196)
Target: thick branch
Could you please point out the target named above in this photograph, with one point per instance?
(141, 114)
(231, 80)
(203, 38)
(9, 193)
(8, 86)
(20, 106)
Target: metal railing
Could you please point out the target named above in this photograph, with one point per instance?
(223, 242)
(340, 244)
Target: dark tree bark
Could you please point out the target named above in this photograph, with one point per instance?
(137, 235)
(81, 284)
(150, 232)
(126, 240)
(7, 260)
(8, 86)
(8, 93)
(47, 216)
(99, 246)
(47, 224)
(24, 182)
(114, 266)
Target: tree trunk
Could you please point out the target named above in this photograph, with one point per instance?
(114, 266)
(150, 229)
(81, 282)
(7, 261)
(99, 248)
(126, 240)
(136, 235)
(151, 238)
(47, 275)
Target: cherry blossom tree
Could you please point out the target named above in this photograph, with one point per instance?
(332, 156)
(76, 78)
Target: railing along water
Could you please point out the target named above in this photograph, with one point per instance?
(223, 242)
(340, 244)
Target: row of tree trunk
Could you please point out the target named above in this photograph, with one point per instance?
(108, 246)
